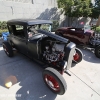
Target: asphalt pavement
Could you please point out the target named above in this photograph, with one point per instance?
(83, 84)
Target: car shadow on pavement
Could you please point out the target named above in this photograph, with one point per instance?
(88, 55)
(26, 74)
(33, 87)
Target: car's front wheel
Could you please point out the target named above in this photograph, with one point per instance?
(78, 56)
(8, 49)
(54, 80)
(97, 51)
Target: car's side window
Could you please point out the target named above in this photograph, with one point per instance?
(46, 27)
(19, 30)
(32, 31)
(19, 27)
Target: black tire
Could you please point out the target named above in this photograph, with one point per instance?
(97, 51)
(54, 78)
(78, 56)
(8, 49)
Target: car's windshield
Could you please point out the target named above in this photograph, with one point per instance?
(33, 29)
(46, 27)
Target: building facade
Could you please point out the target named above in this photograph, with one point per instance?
(41, 9)
(36, 9)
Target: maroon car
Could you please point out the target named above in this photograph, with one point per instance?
(78, 36)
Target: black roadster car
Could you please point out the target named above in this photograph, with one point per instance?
(34, 39)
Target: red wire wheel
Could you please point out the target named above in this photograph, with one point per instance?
(54, 80)
(8, 49)
(78, 55)
(5, 49)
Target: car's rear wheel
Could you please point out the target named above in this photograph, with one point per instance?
(78, 56)
(97, 51)
(8, 49)
(54, 80)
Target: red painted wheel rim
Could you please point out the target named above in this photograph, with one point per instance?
(52, 82)
(76, 57)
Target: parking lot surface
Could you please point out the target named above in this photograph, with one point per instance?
(83, 84)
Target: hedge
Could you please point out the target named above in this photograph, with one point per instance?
(3, 27)
(98, 29)
(55, 25)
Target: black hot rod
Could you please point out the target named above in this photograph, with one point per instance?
(33, 39)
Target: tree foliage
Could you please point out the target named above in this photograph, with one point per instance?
(96, 9)
(79, 8)
(76, 8)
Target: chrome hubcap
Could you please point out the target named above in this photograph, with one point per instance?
(50, 84)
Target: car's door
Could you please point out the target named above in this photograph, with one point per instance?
(19, 38)
(33, 48)
(34, 44)
(74, 35)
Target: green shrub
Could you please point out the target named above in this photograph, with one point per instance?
(55, 25)
(3, 27)
(98, 29)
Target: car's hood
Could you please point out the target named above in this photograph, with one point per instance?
(54, 36)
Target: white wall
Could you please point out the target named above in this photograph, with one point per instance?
(42, 9)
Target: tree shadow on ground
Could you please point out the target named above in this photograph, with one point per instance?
(33, 87)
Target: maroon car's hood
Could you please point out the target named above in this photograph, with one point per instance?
(64, 28)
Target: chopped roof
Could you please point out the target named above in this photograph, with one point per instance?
(28, 21)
